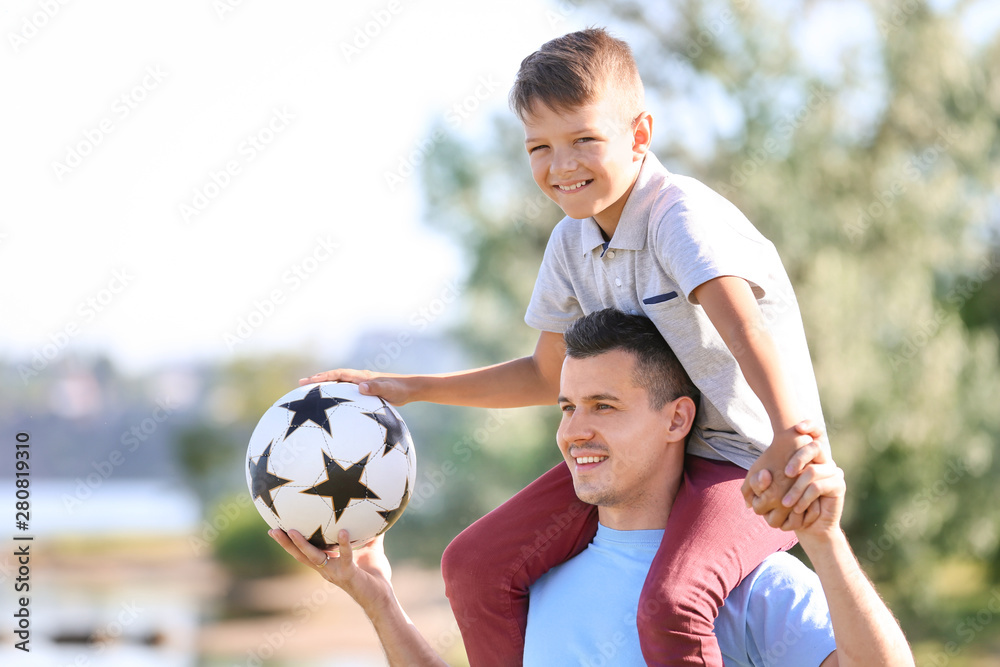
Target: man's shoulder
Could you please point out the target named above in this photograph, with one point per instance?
(780, 599)
(781, 581)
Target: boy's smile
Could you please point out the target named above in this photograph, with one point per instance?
(587, 159)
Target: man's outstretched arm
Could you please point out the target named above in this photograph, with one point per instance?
(365, 576)
(866, 632)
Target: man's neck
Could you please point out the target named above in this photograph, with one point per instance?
(647, 513)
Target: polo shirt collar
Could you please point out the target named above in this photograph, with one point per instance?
(630, 234)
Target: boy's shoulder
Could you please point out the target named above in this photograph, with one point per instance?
(687, 193)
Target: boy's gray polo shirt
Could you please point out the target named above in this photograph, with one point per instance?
(675, 233)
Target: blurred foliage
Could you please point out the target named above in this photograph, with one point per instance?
(866, 149)
(873, 168)
(241, 543)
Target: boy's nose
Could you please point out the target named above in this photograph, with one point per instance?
(563, 163)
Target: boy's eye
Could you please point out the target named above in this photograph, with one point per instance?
(535, 148)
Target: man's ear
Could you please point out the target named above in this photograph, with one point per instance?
(642, 135)
(681, 417)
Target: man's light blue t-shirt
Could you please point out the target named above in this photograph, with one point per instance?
(583, 612)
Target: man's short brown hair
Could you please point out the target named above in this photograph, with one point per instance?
(578, 69)
(657, 369)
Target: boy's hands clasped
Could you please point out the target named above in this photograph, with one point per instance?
(782, 486)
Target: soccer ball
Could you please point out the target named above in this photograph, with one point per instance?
(325, 458)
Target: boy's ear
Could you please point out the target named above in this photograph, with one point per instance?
(642, 135)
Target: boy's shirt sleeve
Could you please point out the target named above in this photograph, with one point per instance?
(702, 236)
(554, 306)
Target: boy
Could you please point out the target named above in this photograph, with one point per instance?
(639, 239)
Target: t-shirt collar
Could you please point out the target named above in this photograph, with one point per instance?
(630, 234)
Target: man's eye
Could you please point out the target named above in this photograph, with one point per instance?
(604, 406)
(566, 408)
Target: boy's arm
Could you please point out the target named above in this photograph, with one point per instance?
(517, 383)
(366, 578)
(731, 306)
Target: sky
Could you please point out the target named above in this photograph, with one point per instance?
(209, 178)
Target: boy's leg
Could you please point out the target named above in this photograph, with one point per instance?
(489, 566)
(711, 542)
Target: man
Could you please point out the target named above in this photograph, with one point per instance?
(627, 409)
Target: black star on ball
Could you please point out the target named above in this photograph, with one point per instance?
(311, 408)
(263, 481)
(318, 541)
(343, 485)
(396, 433)
(390, 516)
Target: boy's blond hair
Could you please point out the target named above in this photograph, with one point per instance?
(579, 69)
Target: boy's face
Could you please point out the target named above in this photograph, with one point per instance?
(587, 159)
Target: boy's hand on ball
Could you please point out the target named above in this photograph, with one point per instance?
(394, 388)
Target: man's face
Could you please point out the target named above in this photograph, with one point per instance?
(583, 159)
(614, 443)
